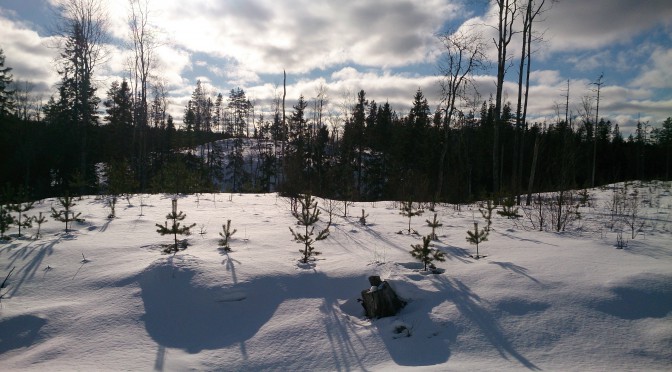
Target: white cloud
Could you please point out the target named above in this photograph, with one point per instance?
(656, 73)
(27, 53)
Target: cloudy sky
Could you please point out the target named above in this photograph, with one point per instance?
(386, 47)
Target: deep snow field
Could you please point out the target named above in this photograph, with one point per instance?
(105, 297)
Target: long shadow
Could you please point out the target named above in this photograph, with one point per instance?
(230, 266)
(35, 255)
(525, 239)
(346, 346)
(467, 303)
(516, 269)
(452, 252)
(179, 313)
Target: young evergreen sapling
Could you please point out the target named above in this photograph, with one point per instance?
(477, 236)
(175, 228)
(22, 220)
(5, 221)
(408, 210)
(111, 202)
(39, 220)
(226, 234)
(509, 209)
(307, 218)
(425, 254)
(486, 211)
(434, 224)
(362, 219)
(66, 214)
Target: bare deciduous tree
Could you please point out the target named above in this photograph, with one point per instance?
(463, 56)
(507, 10)
(82, 37)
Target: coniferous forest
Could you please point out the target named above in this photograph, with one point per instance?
(120, 139)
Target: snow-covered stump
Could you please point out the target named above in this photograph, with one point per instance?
(380, 300)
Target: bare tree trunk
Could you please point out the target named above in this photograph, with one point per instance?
(533, 169)
(464, 55)
(143, 47)
(597, 117)
(506, 17)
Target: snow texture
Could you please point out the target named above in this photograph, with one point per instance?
(105, 297)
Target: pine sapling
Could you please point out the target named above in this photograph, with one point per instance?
(486, 211)
(434, 224)
(5, 221)
(22, 220)
(362, 219)
(477, 236)
(509, 209)
(307, 218)
(409, 210)
(39, 220)
(175, 228)
(226, 234)
(66, 214)
(111, 203)
(425, 254)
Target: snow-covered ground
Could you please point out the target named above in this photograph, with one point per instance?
(104, 297)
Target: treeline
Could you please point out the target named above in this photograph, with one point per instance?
(72, 145)
(377, 154)
(384, 155)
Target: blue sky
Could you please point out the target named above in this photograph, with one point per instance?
(386, 47)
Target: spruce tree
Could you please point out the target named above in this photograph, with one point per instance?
(6, 95)
(425, 254)
(307, 218)
(175, 227)
(66, 214)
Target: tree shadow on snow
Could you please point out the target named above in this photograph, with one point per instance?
(19, 332)
(30, 257)
(430, 339)
(181, 312)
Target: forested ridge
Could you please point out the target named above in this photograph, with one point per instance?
(122, 140)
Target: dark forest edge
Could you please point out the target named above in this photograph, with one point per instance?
(378, 156)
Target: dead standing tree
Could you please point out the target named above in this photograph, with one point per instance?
(464, 55)
(143, 60)
(82, 34)
(506, 15)
(530, 11)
